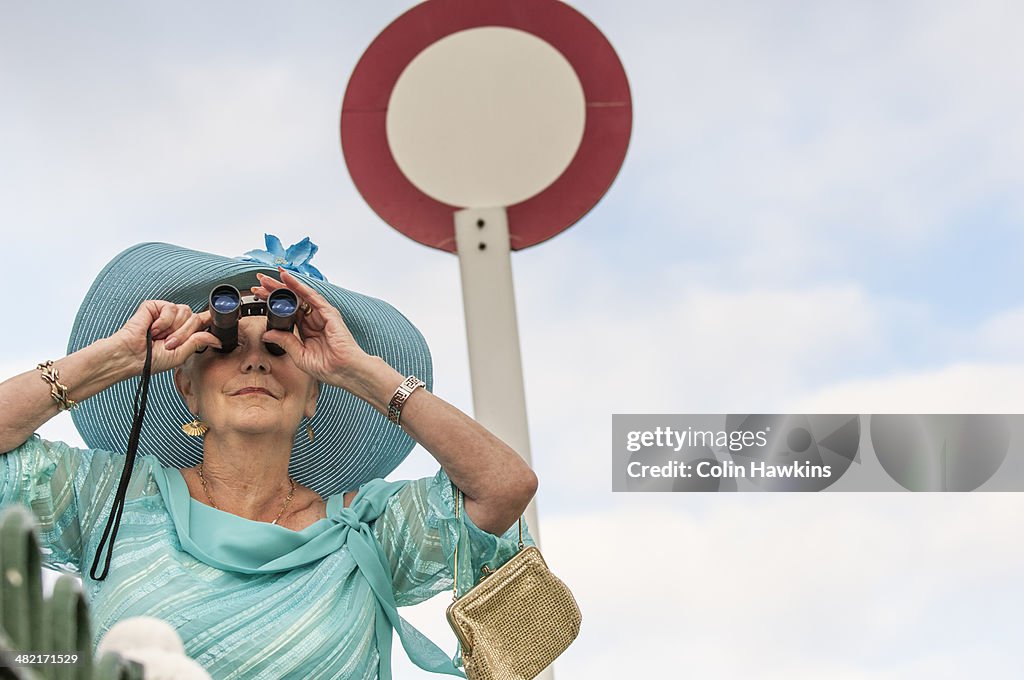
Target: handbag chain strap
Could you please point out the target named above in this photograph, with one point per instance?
(486, 570)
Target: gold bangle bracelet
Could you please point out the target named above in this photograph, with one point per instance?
(58, 390)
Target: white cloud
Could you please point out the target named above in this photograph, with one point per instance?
(787, 585)
(803, 139)
(957, 388)
(1002, 335)
(596, 349)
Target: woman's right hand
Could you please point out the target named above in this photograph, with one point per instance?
(177, 334)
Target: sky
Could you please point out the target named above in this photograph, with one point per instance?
(819, 212)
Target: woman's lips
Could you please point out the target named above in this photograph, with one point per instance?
(252, 390)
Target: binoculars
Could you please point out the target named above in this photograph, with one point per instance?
(227, 307)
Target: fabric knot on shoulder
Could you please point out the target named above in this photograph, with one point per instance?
(349, 518)
(368, 504)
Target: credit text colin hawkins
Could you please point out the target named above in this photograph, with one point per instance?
(666, 437)
(728, 469)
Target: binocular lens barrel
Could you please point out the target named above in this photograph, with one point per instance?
(225, 310)
(282, 307)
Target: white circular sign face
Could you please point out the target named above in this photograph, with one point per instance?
(486, 117)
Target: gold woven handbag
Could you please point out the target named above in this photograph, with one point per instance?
(516, 620)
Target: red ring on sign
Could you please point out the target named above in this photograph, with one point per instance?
(606, 131)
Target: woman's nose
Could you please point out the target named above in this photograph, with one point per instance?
(255, 358)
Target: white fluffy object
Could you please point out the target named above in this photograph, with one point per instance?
(154, 644)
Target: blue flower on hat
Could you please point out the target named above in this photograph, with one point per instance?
(296, 258)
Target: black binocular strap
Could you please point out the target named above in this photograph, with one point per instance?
(138, 411)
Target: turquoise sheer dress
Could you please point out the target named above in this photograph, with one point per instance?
(252, 599)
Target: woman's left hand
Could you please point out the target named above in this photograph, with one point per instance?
(325, 349)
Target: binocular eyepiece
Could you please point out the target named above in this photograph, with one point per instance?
(227, 306)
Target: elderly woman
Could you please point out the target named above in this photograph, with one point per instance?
(256, 521)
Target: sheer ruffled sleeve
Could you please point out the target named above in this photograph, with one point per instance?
(64, 487)
(418, 531)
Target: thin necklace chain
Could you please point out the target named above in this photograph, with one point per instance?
(291, 494)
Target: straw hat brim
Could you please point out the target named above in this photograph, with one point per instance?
(353, 443)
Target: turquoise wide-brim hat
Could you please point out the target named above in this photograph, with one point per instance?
(353, 444)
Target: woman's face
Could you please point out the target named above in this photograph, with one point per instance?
(248, 390)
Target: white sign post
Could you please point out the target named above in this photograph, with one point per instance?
(480, 128)
(492, 332)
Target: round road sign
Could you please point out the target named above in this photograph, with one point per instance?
(465, 104)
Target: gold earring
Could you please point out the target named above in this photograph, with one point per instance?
(196, 428)
(309, 432)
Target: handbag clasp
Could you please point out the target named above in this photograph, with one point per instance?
(487, 571)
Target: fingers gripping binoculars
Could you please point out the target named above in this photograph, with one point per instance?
(227, 306)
